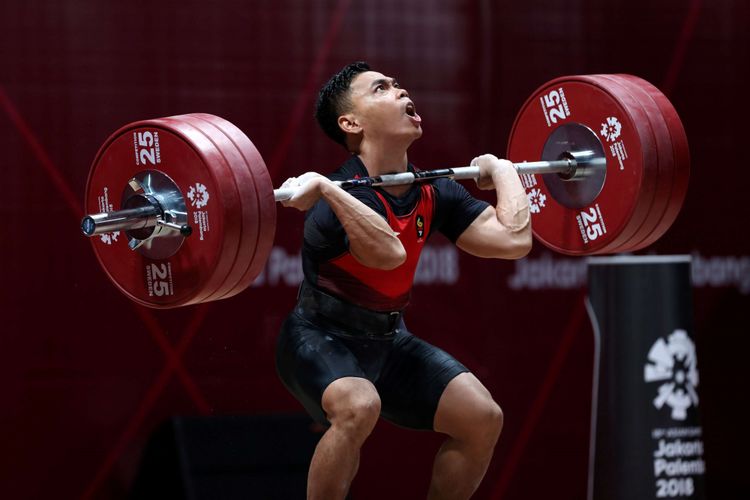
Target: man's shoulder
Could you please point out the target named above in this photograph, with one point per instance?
(446, 187)
(350, 169)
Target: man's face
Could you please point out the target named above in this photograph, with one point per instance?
(383, 109)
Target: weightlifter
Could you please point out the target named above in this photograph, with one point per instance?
(345, 351)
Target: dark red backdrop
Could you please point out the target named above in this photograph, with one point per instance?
(85, 375)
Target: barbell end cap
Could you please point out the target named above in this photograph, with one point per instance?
(88, 226)
(186, 230)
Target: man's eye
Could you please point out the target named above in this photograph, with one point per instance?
(395, 84)
(380, 87)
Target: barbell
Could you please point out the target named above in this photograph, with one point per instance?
(184, 209)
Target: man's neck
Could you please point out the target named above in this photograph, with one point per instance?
(379, 159)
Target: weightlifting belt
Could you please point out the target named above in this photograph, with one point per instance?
(314, 304)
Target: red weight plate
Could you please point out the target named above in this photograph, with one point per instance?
(265, 196)
(650, 161)
(681, 154)
(249, 259)
(217, 162)
(665, 163)
(665, 159)
(621, 205)
(242, 179)
(200, 264)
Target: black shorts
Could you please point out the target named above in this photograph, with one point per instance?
(409, 374)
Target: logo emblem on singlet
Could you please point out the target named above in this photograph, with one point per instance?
(420, 226)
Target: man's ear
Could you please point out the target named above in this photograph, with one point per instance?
(349, 124)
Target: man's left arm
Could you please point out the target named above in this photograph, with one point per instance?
(503, 231)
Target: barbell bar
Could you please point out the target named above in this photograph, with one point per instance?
(612, 173)
(153, 215)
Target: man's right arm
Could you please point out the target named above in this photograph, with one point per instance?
(371, 240)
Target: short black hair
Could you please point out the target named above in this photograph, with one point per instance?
(333, 100)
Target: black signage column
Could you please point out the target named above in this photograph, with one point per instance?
(646, 440)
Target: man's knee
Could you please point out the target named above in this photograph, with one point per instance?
(359, 414)
(352, 406)
(493, 418)
(482, 424)
(468, 413)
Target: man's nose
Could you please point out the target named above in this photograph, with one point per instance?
(402, 93)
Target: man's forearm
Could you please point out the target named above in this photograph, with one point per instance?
(371, 239)
(512, 206)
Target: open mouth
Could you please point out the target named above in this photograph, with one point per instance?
(411, 112)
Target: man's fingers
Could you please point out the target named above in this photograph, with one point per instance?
(306, 176)
(300, 181)
(290, 182)
(483, 160)
(304, 192)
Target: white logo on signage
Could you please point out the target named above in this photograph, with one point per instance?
(198, 195)
(673, 362)
(611, 129)
(536, 200)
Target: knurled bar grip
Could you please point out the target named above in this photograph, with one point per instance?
(533, 167)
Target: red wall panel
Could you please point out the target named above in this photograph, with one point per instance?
(86, 375)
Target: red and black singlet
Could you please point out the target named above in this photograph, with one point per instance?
(442, 205)
(376, 289)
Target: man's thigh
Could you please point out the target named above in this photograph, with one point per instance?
(309, 359)
(413, 380)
